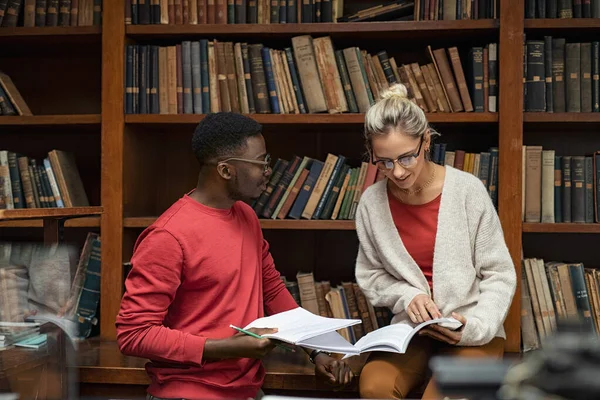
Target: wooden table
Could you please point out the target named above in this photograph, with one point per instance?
(103, 370)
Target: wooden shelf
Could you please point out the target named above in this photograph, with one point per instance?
(50, 120)
(562, 24)
(283, 119)
(561, 228)
(144, 222)
(545, 117)
(355, 29)
(48, 213)
(100, 362)
(55, 36)
(82, 222)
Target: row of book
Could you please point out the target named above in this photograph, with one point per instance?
(25, 267)
(560, 76)
(306, 188)
(27, 183)
(539, 9)
(483, 165)
(194, 12)
(450, 10)
(11, 101)
(552, 292)
(30, 13)
(559, 188)
(311, 76)
(343, 301)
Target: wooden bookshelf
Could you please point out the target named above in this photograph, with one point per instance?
(562, 118)
(299, 119)
(45, 213)
(79, 222)
(412, 29)
(144, 222)
(562, 24)
(144, 162)
(561, 228)
(51, 120)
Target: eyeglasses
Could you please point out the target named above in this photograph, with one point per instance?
(266, 163)
(405, 161)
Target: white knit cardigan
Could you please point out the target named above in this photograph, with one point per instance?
(473, 273)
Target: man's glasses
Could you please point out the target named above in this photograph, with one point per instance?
(266, 163)
(405, 161)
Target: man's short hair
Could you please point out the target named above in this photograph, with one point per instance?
(222, 134)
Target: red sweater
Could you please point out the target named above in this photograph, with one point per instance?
(417, 227)
(195, 271)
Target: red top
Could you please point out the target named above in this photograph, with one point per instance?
(417, 226)
(196, 270)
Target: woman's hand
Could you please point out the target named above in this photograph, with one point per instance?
(422, 309)
(444, 334)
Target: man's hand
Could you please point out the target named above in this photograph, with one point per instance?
(422, 308)
(444, 334)
(240, 345)
(337, 372)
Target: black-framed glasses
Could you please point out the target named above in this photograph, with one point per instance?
(266, 163)
(405, 161)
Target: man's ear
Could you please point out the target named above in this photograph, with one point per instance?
(224, 170)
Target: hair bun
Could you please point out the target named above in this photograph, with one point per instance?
(396, 91)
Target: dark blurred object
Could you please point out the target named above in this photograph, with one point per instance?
(567, 367)
(472, 378)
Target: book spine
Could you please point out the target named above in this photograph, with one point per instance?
(548, 73)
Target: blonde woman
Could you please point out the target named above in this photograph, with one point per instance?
(431, 245)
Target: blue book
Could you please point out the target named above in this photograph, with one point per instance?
(204, 78)
(307, 188)
(266, 56)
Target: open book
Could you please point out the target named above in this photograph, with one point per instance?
(303, 328)
(300, 327)
(394, 338)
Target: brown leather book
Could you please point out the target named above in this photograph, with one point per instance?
(460, 79)
(442, 66)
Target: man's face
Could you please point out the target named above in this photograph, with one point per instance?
(249, 180)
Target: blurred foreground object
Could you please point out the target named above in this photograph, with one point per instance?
(567, 367)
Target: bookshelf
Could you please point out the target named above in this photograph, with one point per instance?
(137, 165)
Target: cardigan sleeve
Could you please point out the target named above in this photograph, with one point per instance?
(381, 288)
(495, 268)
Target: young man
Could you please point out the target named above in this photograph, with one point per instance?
(204, 265)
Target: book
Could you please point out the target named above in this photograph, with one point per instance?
(302, 328)
(394, 338)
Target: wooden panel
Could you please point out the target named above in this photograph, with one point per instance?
(143, 222)
(562, 24)
(553, 118)
(63, 83)
(561, 228)
(412, 29)
(82, 222)
(563, 246)
(113, 82)
(20, 38)
(51, 120)
(295, 119)
(510, 148)
(36, 213)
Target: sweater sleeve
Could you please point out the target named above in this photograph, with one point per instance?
(379, 286)
(276, 296)
(150, 289)
(494, 265)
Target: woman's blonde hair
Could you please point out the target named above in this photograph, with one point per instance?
(395, 111)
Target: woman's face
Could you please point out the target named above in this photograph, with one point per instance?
(406, 152)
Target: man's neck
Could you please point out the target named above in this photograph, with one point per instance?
(206, 194)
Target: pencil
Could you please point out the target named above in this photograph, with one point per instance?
(254, 335)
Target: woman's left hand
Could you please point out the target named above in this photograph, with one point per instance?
(445, 335)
